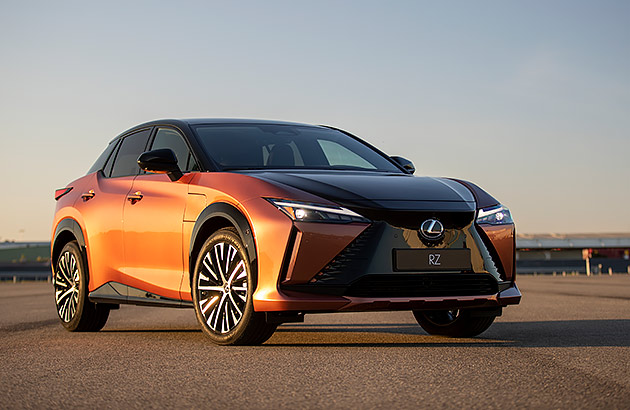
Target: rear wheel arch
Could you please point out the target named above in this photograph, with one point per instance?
(217, 216)
(67, 230)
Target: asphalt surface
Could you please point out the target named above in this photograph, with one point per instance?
(566, 346)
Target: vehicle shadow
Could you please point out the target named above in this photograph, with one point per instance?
(561, 333)
(152, 330)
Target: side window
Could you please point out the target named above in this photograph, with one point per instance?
(337, 154)
(169, 138)
(102, 159)
(132, 146)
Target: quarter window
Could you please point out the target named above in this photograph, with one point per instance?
(102, 159)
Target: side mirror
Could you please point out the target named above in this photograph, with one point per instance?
(161, 161)
(405, 163)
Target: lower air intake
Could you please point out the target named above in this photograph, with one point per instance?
(423, 285)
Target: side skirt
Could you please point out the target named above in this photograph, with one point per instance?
(117, 293)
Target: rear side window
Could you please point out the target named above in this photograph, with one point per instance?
(102, 159)
(126, 162)
(169, 138)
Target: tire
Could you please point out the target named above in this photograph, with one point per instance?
(222, 290)
(453, 323)
(76, 312)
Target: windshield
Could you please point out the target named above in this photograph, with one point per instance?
(263, 146)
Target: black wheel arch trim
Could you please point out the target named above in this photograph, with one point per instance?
(71, 226)
(236, 218)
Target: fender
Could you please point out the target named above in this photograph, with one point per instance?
(236, 218)
(73, 227)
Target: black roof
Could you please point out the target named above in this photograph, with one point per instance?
(200, 121)
(184, 123)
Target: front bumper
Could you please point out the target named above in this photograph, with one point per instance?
(329, 268)
(304, 302)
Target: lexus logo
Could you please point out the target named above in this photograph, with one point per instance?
(432, 229)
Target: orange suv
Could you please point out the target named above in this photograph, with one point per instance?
(256, 223)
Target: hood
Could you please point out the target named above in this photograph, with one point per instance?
(377, 190)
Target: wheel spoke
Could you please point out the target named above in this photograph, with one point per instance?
(73, 267)
(241, 264)
(217, 312)
(211, 288)
(208, 303)
(225, 325)
(219, 258)
(230, 258)
(207, 261)
(63, 269)
(66, 293)
(235, 306)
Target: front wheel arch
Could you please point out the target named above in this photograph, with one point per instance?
(217, 216)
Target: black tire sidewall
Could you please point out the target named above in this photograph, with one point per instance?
(465, 325)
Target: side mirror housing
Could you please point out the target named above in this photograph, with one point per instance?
(405, 164)
(161, 161)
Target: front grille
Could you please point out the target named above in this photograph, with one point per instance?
(412, 219)
(423, 285)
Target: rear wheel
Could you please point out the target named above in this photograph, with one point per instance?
(223, 286)
(76, 312)
(453, 323)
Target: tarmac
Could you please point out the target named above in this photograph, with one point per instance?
(567, 345)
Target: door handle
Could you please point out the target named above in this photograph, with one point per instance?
(88, 195)
(135, 197)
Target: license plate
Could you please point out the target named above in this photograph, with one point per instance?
(431, 259)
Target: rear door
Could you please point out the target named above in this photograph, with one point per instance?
(153, 222)
(101, 207)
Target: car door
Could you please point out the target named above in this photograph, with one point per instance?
(153, 222)
(101, 208)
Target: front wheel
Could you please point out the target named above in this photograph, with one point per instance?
(222, 291)
(453, 323)
(76, 312)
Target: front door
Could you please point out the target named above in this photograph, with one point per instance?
(153, 223)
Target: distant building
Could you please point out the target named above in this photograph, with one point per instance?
(581, 253)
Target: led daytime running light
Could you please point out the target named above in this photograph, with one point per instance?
(308, 212)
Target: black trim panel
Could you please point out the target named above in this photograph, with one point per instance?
(395, 285)
(71, 226)
(236, 218)
(114, 292)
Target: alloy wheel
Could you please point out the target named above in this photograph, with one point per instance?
(67, 281)
(222, 287)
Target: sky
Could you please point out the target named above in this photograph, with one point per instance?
(528, 99)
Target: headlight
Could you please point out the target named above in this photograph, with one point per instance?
(497, 215)
(308, 212)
